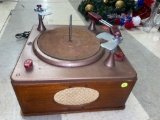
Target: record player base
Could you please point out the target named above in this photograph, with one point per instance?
(49, 89)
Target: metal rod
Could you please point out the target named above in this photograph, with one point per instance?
(70, 28)
(110, 25)
(105, 23)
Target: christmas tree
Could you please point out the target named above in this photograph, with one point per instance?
(106, 7)
(115, 7)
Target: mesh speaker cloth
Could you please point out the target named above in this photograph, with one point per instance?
(76, 96)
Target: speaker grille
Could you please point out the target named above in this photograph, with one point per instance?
(76, 96)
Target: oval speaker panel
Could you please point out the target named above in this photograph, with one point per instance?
(76, 96)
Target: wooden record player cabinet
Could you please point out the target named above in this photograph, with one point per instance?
(94, 87)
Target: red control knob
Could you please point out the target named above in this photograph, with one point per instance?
(119, 56)
(28, 64)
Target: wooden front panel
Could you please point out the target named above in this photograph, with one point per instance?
(38, 98)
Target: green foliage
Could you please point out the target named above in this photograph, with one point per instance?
(104, 9)
(158, 0)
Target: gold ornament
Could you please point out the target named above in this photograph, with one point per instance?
(89, 8)
(106, 1)
(119, 4)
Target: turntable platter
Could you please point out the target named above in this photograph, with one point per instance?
(55, 47)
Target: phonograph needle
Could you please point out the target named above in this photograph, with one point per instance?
(70, 28)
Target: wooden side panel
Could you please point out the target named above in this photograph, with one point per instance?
(38, 98)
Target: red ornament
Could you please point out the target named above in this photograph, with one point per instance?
(148, 2)
(117, 21)
(143, 12)
(129, 25)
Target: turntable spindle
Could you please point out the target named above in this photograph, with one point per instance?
(70, 29)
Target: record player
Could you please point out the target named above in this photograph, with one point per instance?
(62, 73)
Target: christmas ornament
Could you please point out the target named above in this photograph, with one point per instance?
(148, 2)
(117, 21)
(105, 1)
(136, 20)
(125, 18)
(140, 3)
(129, 25)
(127, 21)
(143, 12)
(119, 4)
(89, 8)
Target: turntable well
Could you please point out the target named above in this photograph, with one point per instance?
(54, 47)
